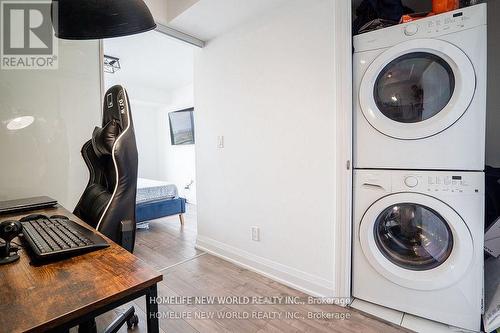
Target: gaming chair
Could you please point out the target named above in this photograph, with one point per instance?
(108, 202)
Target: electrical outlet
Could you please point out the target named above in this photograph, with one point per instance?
(256, 234)
(220, 141)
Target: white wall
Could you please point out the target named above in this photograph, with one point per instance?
(44, 158)
(146, 128)
(269, 88)
(177, 162)
(493, 102)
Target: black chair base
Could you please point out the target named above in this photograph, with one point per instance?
(128, 317)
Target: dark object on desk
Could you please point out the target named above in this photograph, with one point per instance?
(8, 231)
(19, 205)
(108, 202)
(51, 238)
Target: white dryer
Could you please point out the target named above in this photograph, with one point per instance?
(420, 93)
(418, 243)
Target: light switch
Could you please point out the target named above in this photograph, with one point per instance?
(220, 141)
(256, 234)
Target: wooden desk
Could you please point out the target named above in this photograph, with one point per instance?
(60, 295)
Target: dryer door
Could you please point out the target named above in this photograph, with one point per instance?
(417, 89)
(416, 241)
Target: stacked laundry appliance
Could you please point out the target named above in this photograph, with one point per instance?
(419, 149)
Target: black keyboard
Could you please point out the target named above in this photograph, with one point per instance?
(58, 236)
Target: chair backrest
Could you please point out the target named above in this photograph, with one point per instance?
(111, 157)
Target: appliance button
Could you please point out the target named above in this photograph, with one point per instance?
(411, 29)
(411, 181)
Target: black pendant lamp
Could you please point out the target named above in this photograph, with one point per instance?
(96, 19)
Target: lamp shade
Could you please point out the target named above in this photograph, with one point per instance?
(96, 19)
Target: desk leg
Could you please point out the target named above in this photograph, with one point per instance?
(152, 310)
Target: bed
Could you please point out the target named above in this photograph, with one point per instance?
(156, 199)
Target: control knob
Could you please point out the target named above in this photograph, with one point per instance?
(411, 181)
(411, 29)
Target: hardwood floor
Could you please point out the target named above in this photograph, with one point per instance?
(188, 272)
(166, 243)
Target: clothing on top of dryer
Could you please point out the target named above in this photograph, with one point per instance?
(387, 10)
(376, 24)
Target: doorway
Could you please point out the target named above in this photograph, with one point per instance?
(157, 72)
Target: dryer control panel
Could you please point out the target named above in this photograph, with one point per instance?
(429, 27)
(448, 23)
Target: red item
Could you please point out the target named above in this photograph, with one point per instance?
(442, 6)
(413, 17)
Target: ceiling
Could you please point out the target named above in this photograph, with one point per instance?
(152, 65)
(208, 19)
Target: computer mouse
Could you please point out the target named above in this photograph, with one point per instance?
(33, 217)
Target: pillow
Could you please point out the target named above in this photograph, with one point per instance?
(104, 138)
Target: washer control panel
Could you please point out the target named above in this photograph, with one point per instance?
(442, 182)
(448, 183)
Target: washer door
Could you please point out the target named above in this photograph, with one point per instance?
(416, 241)
(417, 89)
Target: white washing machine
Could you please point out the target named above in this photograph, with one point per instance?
(418, 243)
(420, 93)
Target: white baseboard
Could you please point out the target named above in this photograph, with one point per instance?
(291, 277)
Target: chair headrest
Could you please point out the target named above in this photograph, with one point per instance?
(114, 121)
(116, 107)
(104, 138)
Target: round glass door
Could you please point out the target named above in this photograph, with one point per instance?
(413, 236)
(417, 89)
(414, 87)
(416, 241)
